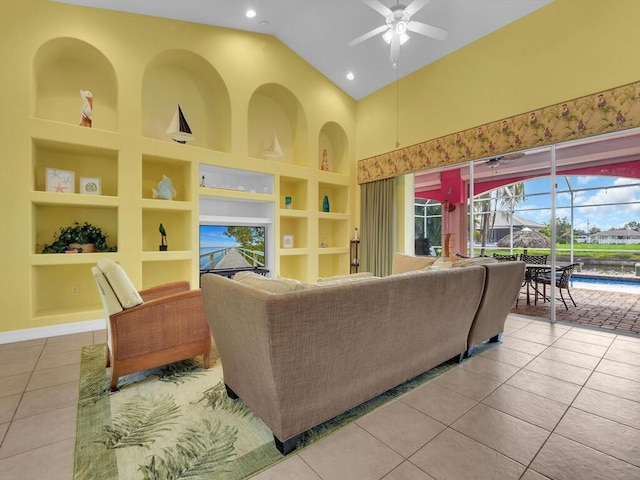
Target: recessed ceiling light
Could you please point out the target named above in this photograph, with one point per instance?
(251, 13)
(350, 76)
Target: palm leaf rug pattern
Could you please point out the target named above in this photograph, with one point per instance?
(176, 422)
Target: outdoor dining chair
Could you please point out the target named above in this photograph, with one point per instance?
(500, 256)
(534, 259)
(562, 281)
(530, 260)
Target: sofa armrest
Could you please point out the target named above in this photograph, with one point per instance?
(502, 285)
(159, 324)
(164, 290)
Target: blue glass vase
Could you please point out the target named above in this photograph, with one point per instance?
(325, 204)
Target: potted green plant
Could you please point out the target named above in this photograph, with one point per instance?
(77, 238)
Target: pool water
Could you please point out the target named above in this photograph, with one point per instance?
(608, 284)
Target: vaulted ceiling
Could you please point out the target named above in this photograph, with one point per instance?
(320, 30)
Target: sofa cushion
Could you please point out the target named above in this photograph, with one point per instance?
(465, 262)
(407, 263)
(120, 283)
(273, 285)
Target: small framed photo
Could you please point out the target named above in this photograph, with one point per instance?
(62, 181)
(287, 241)
(90, 185)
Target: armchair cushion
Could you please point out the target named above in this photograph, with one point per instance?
(109, 300)
(127, 294)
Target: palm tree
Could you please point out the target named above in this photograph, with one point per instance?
(504, 199)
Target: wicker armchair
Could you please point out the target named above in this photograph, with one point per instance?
(150, 328)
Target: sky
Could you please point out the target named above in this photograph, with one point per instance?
(599, 208)
(211, 236)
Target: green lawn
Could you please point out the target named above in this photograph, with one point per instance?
(580, 250)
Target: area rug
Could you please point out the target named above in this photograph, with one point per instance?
(176, 422)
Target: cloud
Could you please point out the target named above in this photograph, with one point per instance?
(607, 202)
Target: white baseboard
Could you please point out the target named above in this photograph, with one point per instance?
(52, 331)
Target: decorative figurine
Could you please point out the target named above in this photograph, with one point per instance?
(325, 161)
(87, 107)
(163, 238)
(273, 150)
(202, 182)
(165, 189)
(179, 129)
(355, 236)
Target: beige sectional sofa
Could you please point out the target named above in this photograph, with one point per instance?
(302, 356)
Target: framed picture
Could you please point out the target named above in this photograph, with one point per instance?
(62, 181)
(90, 185)
(287, 241)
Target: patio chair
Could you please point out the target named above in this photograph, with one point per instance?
(534, 259)
(562, 281)
(499, 256)
(530, 260)
(150, 328)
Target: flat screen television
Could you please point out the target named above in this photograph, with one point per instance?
(231, 247)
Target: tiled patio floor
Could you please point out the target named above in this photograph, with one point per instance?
(612, 311)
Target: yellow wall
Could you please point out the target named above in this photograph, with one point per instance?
(567, 49)
(564, 50)
(130, 69)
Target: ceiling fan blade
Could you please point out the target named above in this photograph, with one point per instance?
(378, 7)
(368, 35)
(414, 6)
(428, 30)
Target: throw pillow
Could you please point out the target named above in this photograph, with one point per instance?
(445, 262)
(341, 281)
(120, 283)
(349, 276)
(407, 263)
(272, 285)
(465, 262)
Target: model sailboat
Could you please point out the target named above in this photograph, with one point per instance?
(273, 150)
(179, 129)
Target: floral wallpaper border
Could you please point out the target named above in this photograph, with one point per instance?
(607, 111)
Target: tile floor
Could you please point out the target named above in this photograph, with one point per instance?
(552, 401)
(613, 311)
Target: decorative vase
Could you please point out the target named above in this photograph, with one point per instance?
(325, 204)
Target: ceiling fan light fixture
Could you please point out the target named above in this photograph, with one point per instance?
(393, 32)
(397, 23)
(388, 35)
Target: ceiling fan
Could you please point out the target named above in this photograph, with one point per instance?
(504, 159)
(397, 23)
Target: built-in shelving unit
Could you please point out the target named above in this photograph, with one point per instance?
(221, 176)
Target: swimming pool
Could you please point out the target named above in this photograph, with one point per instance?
(606, 283)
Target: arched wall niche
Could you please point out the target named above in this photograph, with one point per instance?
(333, 139)
(64, 66)
(180, 77)
(274, 109)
